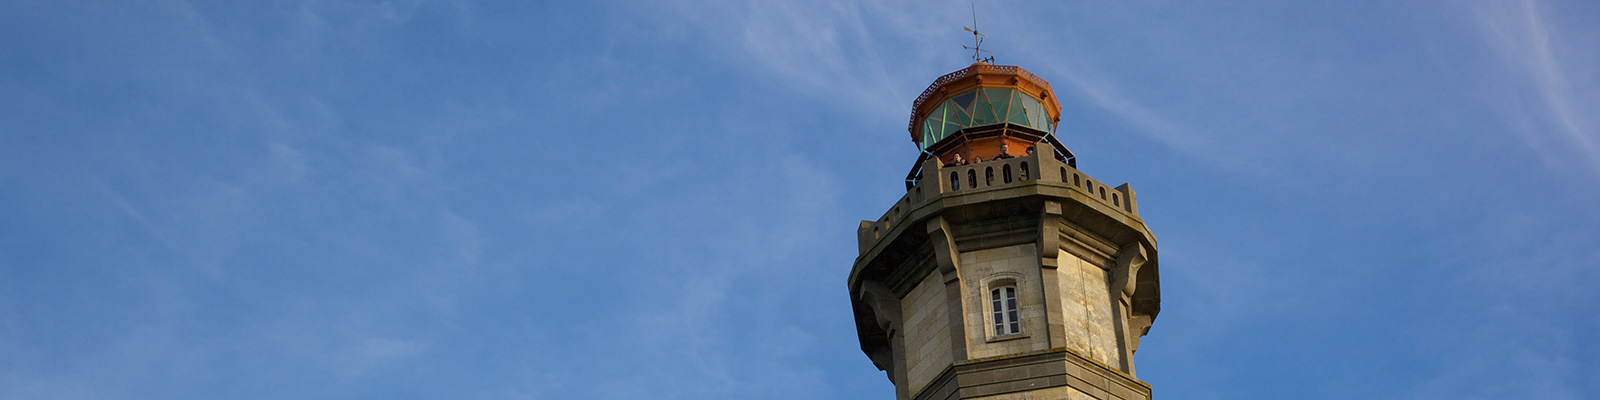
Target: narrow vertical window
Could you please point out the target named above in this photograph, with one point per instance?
(972, 178)
(1005, 173)
(1003, 303)
(955, 181)
(1024, 170)
(988, 176)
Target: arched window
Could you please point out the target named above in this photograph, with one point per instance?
(1074, 178)
(1024, 170)
(972, 178)
(1003, 306)
(1005, 173)
(955, 181)
(988, 176)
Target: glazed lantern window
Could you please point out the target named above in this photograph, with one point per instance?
(981, 107)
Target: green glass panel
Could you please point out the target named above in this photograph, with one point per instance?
(1019, 114)
(964, 101)
(935, 124)
(991, 106)
(982, 112)
(959, 116)
(1036, 114)
(945, 113)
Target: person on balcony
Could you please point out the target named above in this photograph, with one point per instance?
(1004, 148)
(957, 160)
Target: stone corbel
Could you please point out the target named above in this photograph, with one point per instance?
(1126, 271)
(885, 306)
(944, 253)
(884, 360)
(1050, 280)
(944, 247)
(1050, 234)
(1125, 274)
(886, 310)
(1140, 325)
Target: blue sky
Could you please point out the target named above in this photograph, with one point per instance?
(622, 200)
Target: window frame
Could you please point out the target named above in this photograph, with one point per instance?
(1010, 318)
(1004, 312)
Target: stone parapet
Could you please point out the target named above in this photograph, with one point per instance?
(988, 180)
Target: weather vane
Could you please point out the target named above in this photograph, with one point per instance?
(977, 39)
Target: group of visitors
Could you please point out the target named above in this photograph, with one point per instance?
(1004, 154)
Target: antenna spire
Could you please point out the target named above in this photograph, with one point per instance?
(977, 40)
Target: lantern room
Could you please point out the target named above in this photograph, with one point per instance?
(967, 116)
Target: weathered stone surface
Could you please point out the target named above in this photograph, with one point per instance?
(983, 270)
(927, 332)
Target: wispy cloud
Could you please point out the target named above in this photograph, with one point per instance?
(1104, 93)
(133, 213)
(1523, 36)
(876, 57)
(844, 50)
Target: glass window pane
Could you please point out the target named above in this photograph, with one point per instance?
(1031, 111)
(1015, 328)
(959, 115)
(995, 102)
(1036, 114)
(982, 111)
(964, 101)
(1018, 114)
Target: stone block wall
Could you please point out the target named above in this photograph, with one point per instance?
(927, 332)
(1086, 309)
(980, 269)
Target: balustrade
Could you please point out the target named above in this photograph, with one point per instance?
(925, 191)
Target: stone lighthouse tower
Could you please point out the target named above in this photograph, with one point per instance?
(1004, 272)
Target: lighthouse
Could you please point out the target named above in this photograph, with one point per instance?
(1004, 272)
